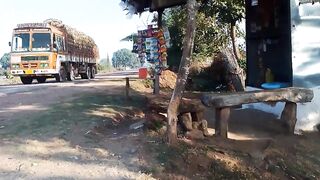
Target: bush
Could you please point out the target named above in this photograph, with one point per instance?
(6, 73)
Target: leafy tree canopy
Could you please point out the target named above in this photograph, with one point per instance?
(226, 11)
(213, 27)
(5, 60)
(125, 58)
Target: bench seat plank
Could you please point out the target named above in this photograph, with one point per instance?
(292, 94)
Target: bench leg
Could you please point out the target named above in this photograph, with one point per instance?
(222, 117)
(289, 116)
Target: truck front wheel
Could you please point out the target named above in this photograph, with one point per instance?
(71, 75)
(62, 76)
(26, 80)
(41, 79)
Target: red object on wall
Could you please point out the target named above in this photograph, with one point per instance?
(143, 73)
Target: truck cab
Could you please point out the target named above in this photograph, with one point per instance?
(33, 54)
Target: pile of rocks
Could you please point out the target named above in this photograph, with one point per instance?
(190, 118)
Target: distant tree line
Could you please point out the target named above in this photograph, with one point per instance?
(124, 58)
(105, 64)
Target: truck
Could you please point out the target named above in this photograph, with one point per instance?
(52, 49)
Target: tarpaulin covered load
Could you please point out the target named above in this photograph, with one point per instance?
(77, 41)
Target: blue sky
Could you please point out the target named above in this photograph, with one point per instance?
(103, 20)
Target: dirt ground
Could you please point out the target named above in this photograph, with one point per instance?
(5, 81)
(258, 148)
(70, 131)
(91, 131)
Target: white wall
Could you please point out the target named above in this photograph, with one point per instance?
(308, 114)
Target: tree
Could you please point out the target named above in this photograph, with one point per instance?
(228, 12)
(210, 36)
(125, 58)
(188, 43)
(198, 36)
(5, 60)
(216, 28)
(105, 64)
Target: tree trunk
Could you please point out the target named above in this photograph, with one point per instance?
(235, 74)
(233, 40)
(156, 84)
(192, 8)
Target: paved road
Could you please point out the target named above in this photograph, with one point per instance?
(19, 88)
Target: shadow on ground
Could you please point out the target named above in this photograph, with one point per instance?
(87, 137)
(90, 137)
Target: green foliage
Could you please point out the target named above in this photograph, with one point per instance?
(5, 61)
(210, 34)
(243, 64)
(226, 11)
(7, 74)
(124, 58)
(213, 28)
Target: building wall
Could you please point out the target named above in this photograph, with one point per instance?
(305, 32)
(308, 114)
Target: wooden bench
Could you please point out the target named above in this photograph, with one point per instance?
(222, 102)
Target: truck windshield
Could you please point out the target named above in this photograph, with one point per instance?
(21, 42)
(41, 42)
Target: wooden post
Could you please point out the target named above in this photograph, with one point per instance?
(127, 89)
(156, 89)
(222, 117)
(289, 116)
(192, 9)
(156, 84)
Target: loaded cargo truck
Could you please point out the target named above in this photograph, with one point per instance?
(52, 50)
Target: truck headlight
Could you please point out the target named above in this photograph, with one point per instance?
(15, 66)
(44, 65)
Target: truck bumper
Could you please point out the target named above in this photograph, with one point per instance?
(34, 72)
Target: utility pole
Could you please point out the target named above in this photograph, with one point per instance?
(160, 66)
